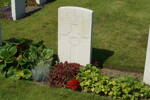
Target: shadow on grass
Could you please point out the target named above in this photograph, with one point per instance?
(18, 40)
(49, 1)
(100, 56)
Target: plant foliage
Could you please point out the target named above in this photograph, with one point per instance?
(62, 73)
(122, 87)
(19, 56)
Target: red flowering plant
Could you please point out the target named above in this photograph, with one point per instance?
(20, 46)
(73, 84)
(62, 73)
(20, 49)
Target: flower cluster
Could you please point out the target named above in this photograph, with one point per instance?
(73, 84)
(20, 46)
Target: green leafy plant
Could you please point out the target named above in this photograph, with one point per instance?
(122, 87)
(88, 76)
(126, 87)
(19, 56)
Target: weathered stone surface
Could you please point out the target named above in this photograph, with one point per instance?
(74, 34)
(146, 77)
(40, 2)
(0, 34)
(18, 9)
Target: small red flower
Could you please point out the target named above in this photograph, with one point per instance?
(20, 46)
(73, 84)
(74, 87)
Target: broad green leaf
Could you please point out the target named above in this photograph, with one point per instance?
(12, 51)
(27, 73)
(47, 53)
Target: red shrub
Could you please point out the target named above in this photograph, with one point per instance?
(62, 73)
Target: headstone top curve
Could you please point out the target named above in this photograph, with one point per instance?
(75, 8)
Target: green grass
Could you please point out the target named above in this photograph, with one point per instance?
(119, 34)
(4, 3)
(26, 90)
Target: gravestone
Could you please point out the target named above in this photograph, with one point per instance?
(40, 2)
(74, 34)
(146, 78)
(0, 34)
(17, 9)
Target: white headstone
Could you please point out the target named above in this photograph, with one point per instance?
(0, 34)
(74, 34)
(40, 2)
(146, 78)
(17, 9)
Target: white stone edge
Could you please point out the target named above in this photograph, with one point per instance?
(146, 60)
(13, 9)
(74, 7)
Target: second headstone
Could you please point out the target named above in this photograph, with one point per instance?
(40, 2)
(146, 77)
(17, 9)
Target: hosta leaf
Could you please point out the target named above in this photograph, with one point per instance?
(15, 77)
(1, 60)
(47, 53)
(10, 60)
(2, 66)
(12, 51)
(23, 60)
(20, 73)
(7, 51)
(11, 71)
(19, 58)
(27, 73)
(4, 53)
(39, 43)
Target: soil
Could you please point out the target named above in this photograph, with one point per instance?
(116, 72)
(32, 9)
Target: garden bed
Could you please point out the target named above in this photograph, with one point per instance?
(5, 12)
(24, 59)
(114, 72)
(125, 35)
(119, 41)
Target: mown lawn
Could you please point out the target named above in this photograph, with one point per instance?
(119, 35)
(27, 90)
(4, 3)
